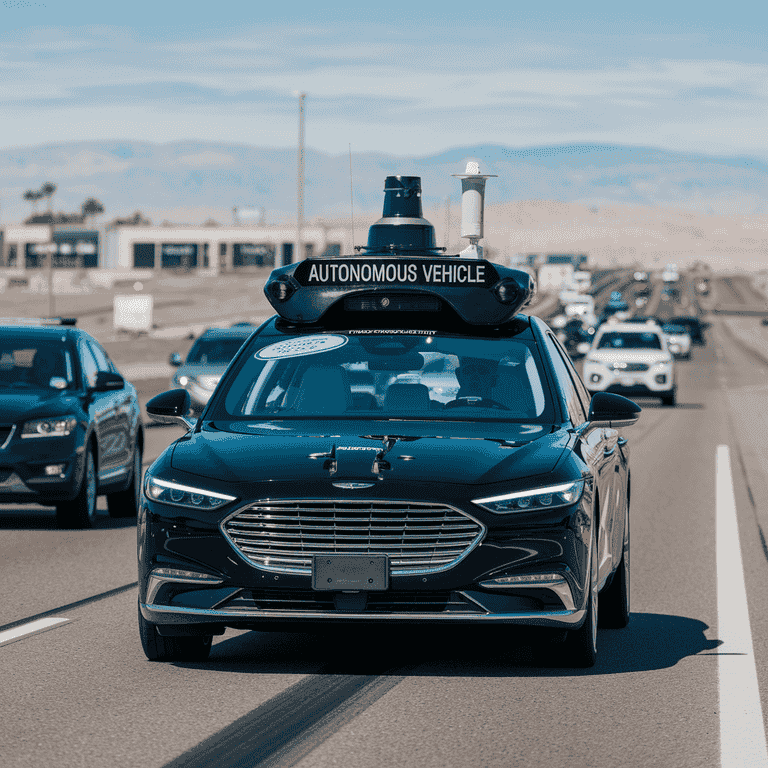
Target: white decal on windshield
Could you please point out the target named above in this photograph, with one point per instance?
(309, 345)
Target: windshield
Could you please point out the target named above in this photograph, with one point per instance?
(28, 363)
(387, 375)
(214, 351)
(626, 340)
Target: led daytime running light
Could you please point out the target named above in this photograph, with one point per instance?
(183, 495)
(549, 497)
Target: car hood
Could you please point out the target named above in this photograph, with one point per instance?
(419, 451)
(22, 405)
(608, 356)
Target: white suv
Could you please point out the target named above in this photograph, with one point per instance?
(631, 359)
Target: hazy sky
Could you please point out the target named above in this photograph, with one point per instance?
(406, 78)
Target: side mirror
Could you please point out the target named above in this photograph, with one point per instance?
(107, 382)
(176, 359)
(171, 407)
(609, 410)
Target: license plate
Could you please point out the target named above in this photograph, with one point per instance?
(350, 572)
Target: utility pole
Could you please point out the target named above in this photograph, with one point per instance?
(300, 183)
(51, 247)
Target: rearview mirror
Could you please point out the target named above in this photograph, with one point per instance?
(171, 407)
(107, 381)
(609, 410)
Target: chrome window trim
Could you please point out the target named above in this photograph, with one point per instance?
(393, 502)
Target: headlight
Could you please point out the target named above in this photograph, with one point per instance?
(58, 426)
(541, 498)
(183, 495)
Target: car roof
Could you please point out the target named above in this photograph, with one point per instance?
(651, 327)
(40, 330)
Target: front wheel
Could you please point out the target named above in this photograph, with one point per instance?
(669, 399)
(614, 600)
(159, 648)
(125, 503)
(580, 645)
(81, 511)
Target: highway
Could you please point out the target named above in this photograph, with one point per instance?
(684, 685)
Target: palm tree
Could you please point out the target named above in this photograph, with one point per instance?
(32, 196)
(91, 207)
(47, 191)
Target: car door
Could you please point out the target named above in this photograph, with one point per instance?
(102, 407)
(598, 449)
(126, 409)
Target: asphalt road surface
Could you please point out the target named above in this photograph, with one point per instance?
(684, 685)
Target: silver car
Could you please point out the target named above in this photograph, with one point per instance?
(206, 362)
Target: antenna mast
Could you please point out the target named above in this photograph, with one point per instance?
(351, 199)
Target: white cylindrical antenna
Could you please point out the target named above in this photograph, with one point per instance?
(472, 207)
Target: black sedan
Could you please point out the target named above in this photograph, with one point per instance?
(495, 493)
(70, 425)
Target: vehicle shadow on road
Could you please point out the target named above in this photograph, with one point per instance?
(650, 642)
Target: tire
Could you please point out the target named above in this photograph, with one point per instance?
(125, 503)
(580, 646)
(159, 648)
(615, 599)
(81, 511)
(669, 400)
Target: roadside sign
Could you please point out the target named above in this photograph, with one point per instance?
(133, 313)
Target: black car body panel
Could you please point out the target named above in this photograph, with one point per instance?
(269, 465)
(108, 422)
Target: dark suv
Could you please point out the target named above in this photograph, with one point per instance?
(70, 425)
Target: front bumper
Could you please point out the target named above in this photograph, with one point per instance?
(241, 595)
(655, 382)
(23, 463)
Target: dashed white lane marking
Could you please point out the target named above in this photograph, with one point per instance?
(29, 629)
(742, 732)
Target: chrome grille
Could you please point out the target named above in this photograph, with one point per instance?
(283, 536)
(391, 601)
(629, 367)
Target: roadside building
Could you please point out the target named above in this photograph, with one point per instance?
(212, 250)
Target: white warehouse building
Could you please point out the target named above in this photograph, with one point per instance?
(212, 250)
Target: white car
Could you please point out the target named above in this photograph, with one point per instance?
(577, 304)
(678, 340)
(631, 359)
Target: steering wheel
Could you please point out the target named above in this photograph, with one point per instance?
(479, 402)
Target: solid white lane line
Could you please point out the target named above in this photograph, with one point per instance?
(28, 629)
(742, 732)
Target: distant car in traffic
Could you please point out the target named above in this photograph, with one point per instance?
(206, 362)
(70, 425)
(631, 359)
(678, 340)
(695, 326)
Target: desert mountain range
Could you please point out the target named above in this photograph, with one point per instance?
(620, 203)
